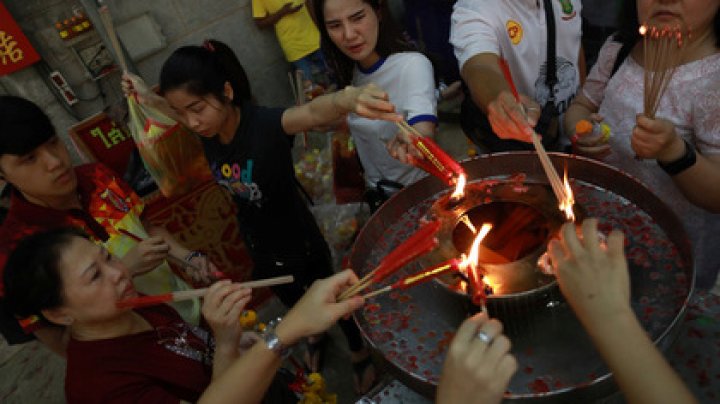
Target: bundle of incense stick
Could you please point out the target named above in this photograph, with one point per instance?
(663, 49)
(144, 301)
(418, 244)
(409, 281)
(436, 161)
(553, 177)
(104, 12)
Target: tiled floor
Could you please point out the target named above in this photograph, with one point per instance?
(32, 374)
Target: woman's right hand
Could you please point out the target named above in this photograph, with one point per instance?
(369, 101)
(319, 309)
(222, 306)
(146, 255)
(511, 119)
(477, 370)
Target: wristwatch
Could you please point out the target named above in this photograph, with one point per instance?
(685, 161)
(272, 342)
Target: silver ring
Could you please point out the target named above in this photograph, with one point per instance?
(482, 336)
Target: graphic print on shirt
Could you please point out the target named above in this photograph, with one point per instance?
(238, 180)
(566, 87)
(515, 31)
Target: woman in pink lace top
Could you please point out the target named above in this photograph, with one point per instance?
(680, 148)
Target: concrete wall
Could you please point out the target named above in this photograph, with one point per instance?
(182, 22)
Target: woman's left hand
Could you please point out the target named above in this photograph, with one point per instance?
(222, 306)
(368, 101)
(207, 273)
(656, 139)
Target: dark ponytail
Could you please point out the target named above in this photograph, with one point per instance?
(32, 277)
(203, 70)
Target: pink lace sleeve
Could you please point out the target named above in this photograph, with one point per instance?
(706, 117)
(594, 88)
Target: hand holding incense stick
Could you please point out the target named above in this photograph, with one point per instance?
(555, 182)
(452, 265)
(663, 50)
(418, 244)
(435, 161)
(144, 301)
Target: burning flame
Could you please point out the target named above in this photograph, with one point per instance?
(471, 260)
(466, 221)
(459, 188)
(643, 30)
(566, 204)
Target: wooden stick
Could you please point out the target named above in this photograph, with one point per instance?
(152, 300)
(406, 126)
(104, 12)
(553, 177)
(293, 87)
(191, 294)
(357, 288)
(378, 292)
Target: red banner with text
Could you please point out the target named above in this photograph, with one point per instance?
(15, 50)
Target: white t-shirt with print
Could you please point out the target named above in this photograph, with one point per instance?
(408, 79)
(516, 31)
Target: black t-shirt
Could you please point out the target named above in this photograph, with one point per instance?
(257, 168)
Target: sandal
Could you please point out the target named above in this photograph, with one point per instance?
(360, 370)
(315, 353)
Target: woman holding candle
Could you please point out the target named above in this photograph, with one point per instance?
(360, 43)
(248, 148)
(679, 149)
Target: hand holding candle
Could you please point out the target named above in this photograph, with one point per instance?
(435, 161)
(562, 191)
(449, 266)
(418, 244)
(512, 115)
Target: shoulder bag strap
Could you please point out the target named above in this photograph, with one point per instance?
(551, 73)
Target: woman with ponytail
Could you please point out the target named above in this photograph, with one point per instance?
(248, 148)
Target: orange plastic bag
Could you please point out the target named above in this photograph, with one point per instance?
(171, 153)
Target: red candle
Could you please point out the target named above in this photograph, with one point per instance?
(437, 162)
(421, 242)
(508, 77)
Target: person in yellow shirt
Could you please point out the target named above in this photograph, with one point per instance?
(294, 27)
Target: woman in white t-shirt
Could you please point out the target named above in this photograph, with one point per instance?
(359, 42)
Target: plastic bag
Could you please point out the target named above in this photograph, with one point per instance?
(172, 154)
(340, 225)
(314, 171)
